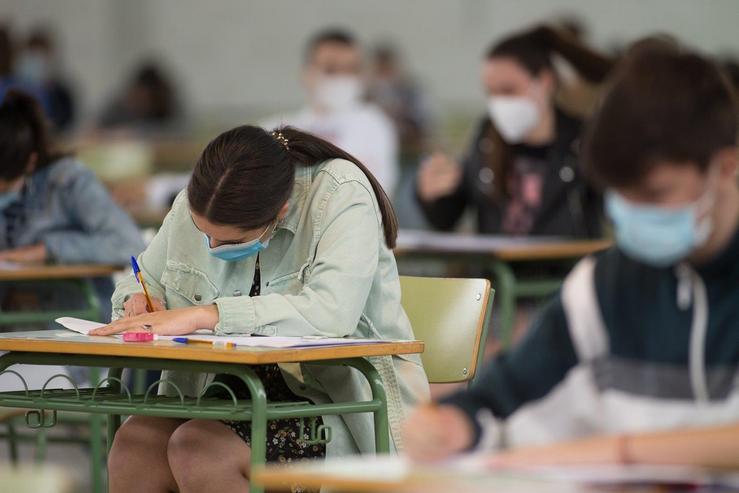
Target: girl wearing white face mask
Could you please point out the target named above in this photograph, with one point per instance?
(521, 173)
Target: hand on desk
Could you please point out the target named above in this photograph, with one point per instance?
(136, 305)
(179, 321)
(33, 254)
(435, 432)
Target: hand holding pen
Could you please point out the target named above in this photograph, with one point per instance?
(140, 303)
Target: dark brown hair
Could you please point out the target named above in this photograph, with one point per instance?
(335, 35)
(23, 131)
(533, 50)
(7, 51)
(663, 104)
(245, 175)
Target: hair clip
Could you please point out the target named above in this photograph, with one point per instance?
(279, 137)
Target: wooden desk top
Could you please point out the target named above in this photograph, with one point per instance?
(506, 248)
(29, 272)
(471, 475)
(67, 342)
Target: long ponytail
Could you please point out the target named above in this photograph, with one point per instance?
(246, 174)
(308, 150)
(534, 48)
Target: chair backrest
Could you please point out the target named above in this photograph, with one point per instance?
(451, 316)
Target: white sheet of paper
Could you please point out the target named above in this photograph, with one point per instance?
(78, 324)
(85, 326)
(283, 342)
(7, 265)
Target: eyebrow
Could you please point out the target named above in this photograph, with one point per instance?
(225, 242)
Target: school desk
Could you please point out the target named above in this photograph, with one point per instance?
(471, 474)
(74, 276)
(498, 254)
(111, 397)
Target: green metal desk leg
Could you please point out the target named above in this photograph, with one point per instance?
(258, 422)
(97, 453)
(505, 296)
(41, 443)
(12, 442)
(114, 420)
(382, 426)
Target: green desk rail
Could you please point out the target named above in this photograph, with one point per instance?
(111, 398)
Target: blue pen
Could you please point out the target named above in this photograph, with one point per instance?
(140, 279)
(220, 344)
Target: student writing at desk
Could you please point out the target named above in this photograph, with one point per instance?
(52, 208)
(521, 173)
(278, 233)
(643, 340)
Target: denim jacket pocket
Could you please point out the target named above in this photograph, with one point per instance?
(189, 283)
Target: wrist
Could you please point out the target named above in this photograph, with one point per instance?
(207, 317)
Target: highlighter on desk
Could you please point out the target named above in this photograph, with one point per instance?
(140, 280)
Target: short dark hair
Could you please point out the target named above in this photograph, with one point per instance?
(663, 103)
(331, 35)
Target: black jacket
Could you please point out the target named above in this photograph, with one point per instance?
(569, 207)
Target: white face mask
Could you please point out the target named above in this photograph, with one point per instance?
(336, 93)
(513, 116)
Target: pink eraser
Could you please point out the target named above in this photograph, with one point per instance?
(138, 337)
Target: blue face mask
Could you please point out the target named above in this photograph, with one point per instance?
(659, 236)
(232, 253)
(7, 198)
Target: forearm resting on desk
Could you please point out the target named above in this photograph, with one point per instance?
(713, 447)
(179, 321)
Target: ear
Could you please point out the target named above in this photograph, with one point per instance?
(283, 211)
(547, 80)
(728, 162)
(32, 162)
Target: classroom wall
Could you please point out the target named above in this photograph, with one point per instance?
(233, 55)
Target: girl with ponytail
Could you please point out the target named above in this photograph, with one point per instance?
(52, 208)
(278, 233)
(521, 173)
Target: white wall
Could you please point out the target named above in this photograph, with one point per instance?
(238, 54)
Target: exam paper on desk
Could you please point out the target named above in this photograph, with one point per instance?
(85, 326)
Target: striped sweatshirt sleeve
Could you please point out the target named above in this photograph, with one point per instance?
(527, 372)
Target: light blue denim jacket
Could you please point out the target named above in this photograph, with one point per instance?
(66, 208)
(326, 271)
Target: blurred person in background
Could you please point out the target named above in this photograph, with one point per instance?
(393, 90)
(149, 103)
(636, 358)
(336, 111)
(9, 78)
(53, 209)
(38, 64)
(521, 173)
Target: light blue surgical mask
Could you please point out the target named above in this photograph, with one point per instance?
(659, 236)
(239, 251)
(7, 198)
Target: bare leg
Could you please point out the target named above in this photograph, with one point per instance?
(207, 456)
(138, 458)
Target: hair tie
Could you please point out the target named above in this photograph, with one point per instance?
(279, 137)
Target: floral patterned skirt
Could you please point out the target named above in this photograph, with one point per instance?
(283, 441)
